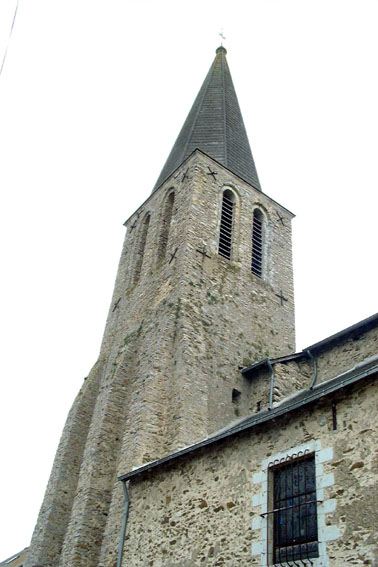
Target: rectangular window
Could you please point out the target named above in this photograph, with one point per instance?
(293, 517)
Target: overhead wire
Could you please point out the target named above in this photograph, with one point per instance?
(9, 37)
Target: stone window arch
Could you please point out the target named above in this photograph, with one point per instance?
(227, 222)
(258, 243)
(165, 226)
(141, 244)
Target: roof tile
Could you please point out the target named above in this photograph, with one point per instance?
(215, 126)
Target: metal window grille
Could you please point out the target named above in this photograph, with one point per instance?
(226, 225)
(295, 530)
(257, 244)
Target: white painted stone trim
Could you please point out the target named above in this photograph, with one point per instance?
(325, 533)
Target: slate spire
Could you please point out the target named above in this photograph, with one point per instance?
(215, 126)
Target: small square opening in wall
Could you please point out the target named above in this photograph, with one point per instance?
(235, 394)
(292, 515)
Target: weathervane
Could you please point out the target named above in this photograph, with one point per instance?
(221, 34)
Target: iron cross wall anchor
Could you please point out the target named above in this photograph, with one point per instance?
(133, 226)
(173, 255)
(281, 297)
(212, 173)
(116, 304)
(185, 176)
(204, 255)
(203, 252)
(280, 218)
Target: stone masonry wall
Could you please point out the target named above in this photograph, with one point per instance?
(198, 315)
(49, 533)
(294, 375)
(204, 509)
(347, 353)
(178, 327)
(234, 316)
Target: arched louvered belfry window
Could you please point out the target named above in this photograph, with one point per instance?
(258, 229)
(226, 224)
(165, 225)
(140, 248)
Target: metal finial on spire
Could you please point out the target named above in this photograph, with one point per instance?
(222, 36)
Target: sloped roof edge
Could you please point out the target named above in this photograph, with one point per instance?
(353, 330)
(197, 150)
(292, 403)
(215, 124)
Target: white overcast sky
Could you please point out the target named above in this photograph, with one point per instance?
(92, 96)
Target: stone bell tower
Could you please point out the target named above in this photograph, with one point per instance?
(204, 285)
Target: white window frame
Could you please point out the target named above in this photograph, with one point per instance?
(324, 507)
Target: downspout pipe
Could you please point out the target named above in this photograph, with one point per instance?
(315, 374)
(124, 523)
(271, 383)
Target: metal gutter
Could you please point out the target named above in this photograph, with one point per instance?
(355, 329)
(303, 398)
(246, 369)
(315, 366)
(124, 524)
(271, 383)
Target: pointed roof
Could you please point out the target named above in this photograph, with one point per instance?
(215, 126)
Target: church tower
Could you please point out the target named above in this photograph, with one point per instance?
(204, 286)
